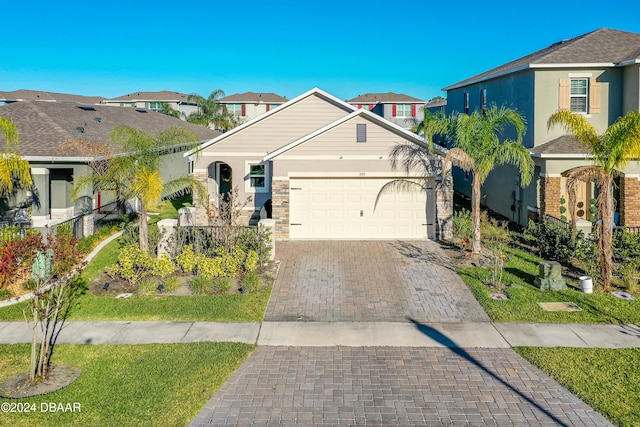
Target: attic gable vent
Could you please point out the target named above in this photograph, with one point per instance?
(86, 108)
(80, 129)
(141, 110)
(361, 132)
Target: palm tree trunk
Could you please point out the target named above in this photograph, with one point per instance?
(475, 212)
(144, 229)
(606, 233)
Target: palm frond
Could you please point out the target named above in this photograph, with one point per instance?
(399, 185)
(10, 131)
(13, 168)
(623, 141)
(576, 125)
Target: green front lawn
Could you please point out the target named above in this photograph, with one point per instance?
(223, 308)
(522, 306)
(606, 379)
(128, 385)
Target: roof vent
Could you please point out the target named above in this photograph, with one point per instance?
(87, 108)
(97, 119)
(80, 129)
(141, 110)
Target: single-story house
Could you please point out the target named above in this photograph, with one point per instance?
(320, 162)
(43, 126)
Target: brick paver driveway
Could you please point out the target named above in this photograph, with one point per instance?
(343, 386)
(384, 281)
(344, 280)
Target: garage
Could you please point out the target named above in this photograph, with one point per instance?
(343, 208)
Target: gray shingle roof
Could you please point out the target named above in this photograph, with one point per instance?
(37, 95)
(565, 144)
(163, 95)
(254, 97)
(603, 46)
(42, 126)
(385, 98)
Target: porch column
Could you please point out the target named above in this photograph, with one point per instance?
(630, 200)
(41, 194)
(201, 217)
(550, 194)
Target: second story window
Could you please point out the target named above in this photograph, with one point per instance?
(403, 110)
(579, 91)
(466, 102)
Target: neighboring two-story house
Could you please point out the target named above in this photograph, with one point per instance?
(154, 100)
(596, 74)
(403, 110)
(248, 105)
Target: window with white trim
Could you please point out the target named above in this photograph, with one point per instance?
(579, 95)
(403, 110)
(258, 176)
(234, 109)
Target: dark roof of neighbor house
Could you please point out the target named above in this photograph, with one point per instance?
(385, 98)
(565, 144)
(604, 47)
(163, 95)
(254, 97)
(42, 126)
(37, 95)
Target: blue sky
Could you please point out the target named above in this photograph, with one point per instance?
(344, 47)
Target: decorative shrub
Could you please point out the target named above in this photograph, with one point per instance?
(222, 285)
(201, 285)
(171, 284)
(463, 224)
(251, 262)
(553, 241)
(148, 286)
(163, 266)
(626, 246)
(133, 265)
(251, 281)
(258, 240)
(188, 259)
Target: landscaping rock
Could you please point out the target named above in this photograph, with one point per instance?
(550, 277)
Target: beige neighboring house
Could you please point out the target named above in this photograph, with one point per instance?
(37, 95)
(596, 74)
(43, 126)
(153, 101)
(320, 163)
(248, 105)
(403, 110)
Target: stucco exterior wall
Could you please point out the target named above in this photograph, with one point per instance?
(631, 95)
(547, 100)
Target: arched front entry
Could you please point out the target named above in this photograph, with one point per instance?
(220, 172)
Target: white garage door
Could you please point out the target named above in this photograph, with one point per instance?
(342, 208)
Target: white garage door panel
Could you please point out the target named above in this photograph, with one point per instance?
(342, 208)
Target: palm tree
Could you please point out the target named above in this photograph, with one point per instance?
(130, 163)
(13, 168)
(210, 111)
(611, 152)
(168, 110)
(478, 149)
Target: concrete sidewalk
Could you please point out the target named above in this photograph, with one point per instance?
(348, 334)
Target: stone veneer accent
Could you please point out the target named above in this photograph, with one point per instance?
(280, 204)
(444, 209)
(550, 196)
(630, 201)
(201, 211)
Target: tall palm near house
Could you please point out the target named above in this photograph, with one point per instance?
(13, 168)
(130, 163)
(210, 111)
(478, 149)
(611, 151)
